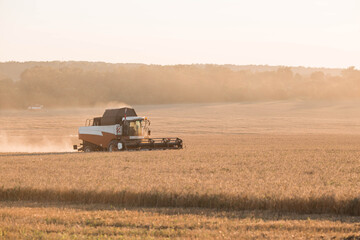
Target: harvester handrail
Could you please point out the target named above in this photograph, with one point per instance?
(88, 122)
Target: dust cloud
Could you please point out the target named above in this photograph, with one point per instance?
(30, 144)
(112, 104)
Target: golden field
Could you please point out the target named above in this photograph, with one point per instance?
(252, 170)
(57, 221)
(304, 174)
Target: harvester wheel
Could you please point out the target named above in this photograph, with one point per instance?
(113, 146)
(88, 149)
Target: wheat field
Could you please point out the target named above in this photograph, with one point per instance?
(26, 220)
(252, 170)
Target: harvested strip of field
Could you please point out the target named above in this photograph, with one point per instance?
(54, 221)
(294, 173)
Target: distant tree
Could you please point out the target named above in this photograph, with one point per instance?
(351, 73)
(285, 73)
(318, 75)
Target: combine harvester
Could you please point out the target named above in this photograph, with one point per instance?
(120, 130)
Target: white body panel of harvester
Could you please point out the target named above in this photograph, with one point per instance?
(100, 130)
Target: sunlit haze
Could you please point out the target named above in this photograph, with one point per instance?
(316, 33)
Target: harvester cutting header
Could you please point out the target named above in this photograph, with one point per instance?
(121, 129)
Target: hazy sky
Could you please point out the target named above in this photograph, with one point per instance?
(278, 32)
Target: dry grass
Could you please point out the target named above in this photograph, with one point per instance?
(38, 221)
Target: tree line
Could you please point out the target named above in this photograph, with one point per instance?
(71, 86)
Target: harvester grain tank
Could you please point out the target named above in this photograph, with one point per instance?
(121, 129)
